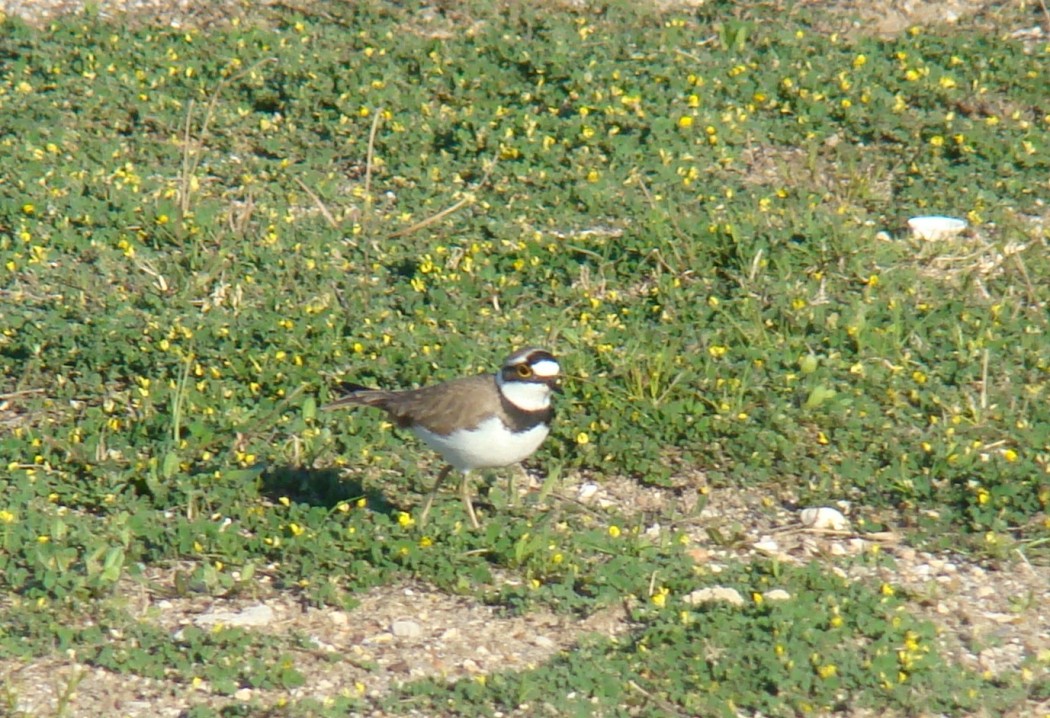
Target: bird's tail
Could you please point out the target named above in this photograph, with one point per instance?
(358, 395)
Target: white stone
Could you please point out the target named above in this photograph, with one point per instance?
(257, 615)
(587, 491)
(543, 642)
(933, 228)
(406, 628)
(766, 545)
(825, 518)
(714, 594)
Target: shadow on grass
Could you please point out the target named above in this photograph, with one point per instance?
(320, 487)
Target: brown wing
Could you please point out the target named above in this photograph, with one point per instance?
(441, 408)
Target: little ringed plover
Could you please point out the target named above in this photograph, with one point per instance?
(475, 422)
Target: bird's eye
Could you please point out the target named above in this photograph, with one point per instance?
(524, 371)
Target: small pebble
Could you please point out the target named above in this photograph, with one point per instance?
(766, 545)
(714, 594)
(587, 491)
(824, 518)
(258, 615)
(405, 628)
(543, 642)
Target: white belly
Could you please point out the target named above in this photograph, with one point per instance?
(488, 446)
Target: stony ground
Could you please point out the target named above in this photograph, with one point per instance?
(991, 618)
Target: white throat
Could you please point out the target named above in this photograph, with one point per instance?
(526, 395)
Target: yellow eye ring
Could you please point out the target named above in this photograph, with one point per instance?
(524, 371)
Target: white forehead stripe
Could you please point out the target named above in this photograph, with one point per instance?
(546, 368)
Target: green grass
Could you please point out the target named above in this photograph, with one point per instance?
(201, 232)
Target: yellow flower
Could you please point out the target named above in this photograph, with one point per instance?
(659, 598)
(405, 520)
(614, 531)
(582, 438)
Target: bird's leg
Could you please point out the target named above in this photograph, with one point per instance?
(433, 492)
(511, 496)
(464, 493)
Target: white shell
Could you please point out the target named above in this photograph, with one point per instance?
(932, 228)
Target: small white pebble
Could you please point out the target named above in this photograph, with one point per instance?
(766, 545)
(824, 517)
(587, 491)
(714, 594)
(405, 628)
(543, 642)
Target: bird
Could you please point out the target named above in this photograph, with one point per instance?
(476, 422)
